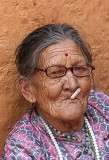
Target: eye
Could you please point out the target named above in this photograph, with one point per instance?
(81, 69)
(55, 71)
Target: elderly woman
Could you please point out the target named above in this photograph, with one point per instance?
(69, 120)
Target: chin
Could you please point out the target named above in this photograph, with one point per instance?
(75, 116)
(73, 111)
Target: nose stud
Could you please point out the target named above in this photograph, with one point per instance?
(75, 93)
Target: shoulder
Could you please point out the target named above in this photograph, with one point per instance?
(23, 140)
(99, 102)
(22, 124)
(98, 116)
(98, 112)
(98, 96)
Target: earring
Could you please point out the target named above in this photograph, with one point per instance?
(31, 100)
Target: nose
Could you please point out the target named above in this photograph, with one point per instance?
(71, 82)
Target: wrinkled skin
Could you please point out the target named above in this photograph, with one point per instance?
(52, 95)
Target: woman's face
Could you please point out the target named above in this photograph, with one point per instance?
(53, 94)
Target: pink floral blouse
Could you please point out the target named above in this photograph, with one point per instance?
(29, 140)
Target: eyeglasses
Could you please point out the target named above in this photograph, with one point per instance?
(60, 71)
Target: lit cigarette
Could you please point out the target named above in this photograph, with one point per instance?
(75, 93)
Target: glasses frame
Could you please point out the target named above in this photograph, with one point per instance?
(45, 70)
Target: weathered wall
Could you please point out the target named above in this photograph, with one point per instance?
(20, 17)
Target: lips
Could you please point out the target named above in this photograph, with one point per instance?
(68, 97)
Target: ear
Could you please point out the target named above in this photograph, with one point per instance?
(27, 89)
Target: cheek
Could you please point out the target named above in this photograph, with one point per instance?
(39, 87)
(84, 84)
(53, 88)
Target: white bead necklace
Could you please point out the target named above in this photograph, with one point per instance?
(93, 138)
(52, 138)
(90, 132)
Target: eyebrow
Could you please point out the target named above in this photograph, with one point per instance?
(77, 63)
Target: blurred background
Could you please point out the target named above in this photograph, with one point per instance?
(18, 18)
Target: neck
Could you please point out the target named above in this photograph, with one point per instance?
(92, 137)
(64, 125)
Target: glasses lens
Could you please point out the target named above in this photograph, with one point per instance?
(56, 71)
(82, 70)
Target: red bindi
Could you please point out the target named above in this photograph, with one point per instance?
(66, 54)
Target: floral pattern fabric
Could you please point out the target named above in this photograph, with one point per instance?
(29, 139)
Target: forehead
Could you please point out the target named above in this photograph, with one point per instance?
(61, 53)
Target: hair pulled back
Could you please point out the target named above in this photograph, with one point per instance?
(29, 51)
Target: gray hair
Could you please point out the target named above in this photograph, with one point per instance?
(29, 51)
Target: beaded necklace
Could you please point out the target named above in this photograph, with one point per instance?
(73, 136)
(90, 132)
